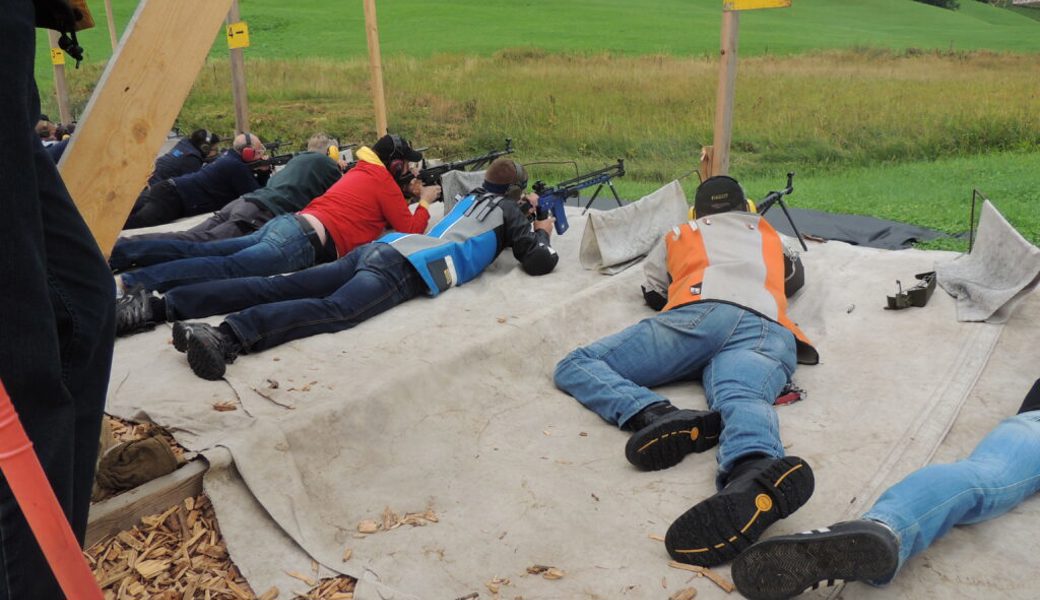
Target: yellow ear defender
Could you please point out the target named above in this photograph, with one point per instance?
(333, 152)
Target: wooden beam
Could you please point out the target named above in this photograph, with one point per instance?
(111, 24)
(707, 156)
(61, 89)
(121, 512)
(724, 100)
(376, 64)
(134, 106)
(239, 94)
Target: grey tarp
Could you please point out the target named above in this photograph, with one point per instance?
(448, 404)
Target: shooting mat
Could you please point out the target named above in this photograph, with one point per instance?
(447, 405)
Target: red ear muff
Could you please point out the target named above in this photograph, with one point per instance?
(249, 154)
(398, 169)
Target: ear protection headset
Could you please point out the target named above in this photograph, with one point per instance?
(333, 152)
(249, 153)
(516, 189)
(399, 170)
(207, 143)
(399, 146)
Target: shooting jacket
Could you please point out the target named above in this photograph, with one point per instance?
(305, 177)
(214, 185)
(470, 237)
(363, 204)
(733, 257)
(182, 159)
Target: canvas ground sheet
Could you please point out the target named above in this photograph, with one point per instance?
(448, 405)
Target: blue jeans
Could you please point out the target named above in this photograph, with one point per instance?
(280, 246)
(331, 297)
(1002, 471)
(240, 217)
(57, 324)
(743, 360)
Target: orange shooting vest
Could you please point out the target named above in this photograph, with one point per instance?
(737, 258)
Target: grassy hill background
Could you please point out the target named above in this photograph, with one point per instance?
(885, 107)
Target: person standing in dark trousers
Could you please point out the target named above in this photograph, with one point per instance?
(57, 324)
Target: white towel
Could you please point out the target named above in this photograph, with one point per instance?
(615, 239)
(459, 183)
(1002, 268)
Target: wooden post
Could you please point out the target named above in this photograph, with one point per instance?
(375, 61)
(707, 158)
(61, 89)
(111, 24)
(104, 172)
(238, 78)
(724, 100)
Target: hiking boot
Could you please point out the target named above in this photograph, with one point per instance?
(210, 351)
(134, 312)
(788, 565)
(182, 332)
(664, 441)
(762, 492)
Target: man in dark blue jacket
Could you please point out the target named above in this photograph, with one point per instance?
(206, 190)
(186, 157)
(365, 282)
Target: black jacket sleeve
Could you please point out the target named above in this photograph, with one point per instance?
(530, 247)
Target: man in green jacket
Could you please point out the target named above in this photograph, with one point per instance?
(305, 177)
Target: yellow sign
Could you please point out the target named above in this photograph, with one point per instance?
(57, 56)
(754, 4)
(238, 35)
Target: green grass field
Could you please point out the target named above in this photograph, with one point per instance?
(883, 107)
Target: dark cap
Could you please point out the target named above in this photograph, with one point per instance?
(393, 147)
(719, 194)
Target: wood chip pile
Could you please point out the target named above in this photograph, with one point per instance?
(127, 431)
(180, 555)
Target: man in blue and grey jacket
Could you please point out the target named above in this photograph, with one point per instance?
(365, 282)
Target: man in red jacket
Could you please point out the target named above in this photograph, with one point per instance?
(354, 211)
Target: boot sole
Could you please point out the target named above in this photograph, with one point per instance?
(205, 361)
(716, 530)
(667, 441)
(786, 566)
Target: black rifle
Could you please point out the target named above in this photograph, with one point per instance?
(432, 175)
(778, 198)
(553, 199)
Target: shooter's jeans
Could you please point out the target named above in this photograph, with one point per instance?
(280, 246)
(57, 316)
(240, 217)
(744, 361)
(1002, 471)
(323, 299)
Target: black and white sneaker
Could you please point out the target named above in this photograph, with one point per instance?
(719, 528)
(210, 351)
(788, 565)
(134, 312)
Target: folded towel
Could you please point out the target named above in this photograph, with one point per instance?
(615, 239)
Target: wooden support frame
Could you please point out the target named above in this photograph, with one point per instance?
(727, 89)
(61, 88)
(112, 37)
(239, 94)
(122, 512)
(376, 65)
(134, 106)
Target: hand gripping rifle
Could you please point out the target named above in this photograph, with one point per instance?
(432, 175)
(553, 199)
(778, 198)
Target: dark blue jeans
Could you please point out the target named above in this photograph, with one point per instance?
(280, 246)
(57, 321)
(240, 217)
(331, 297)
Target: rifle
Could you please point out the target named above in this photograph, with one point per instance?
(553, 199)
(778, 198)
(432, 175)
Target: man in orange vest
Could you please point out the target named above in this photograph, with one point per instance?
(719, 282)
